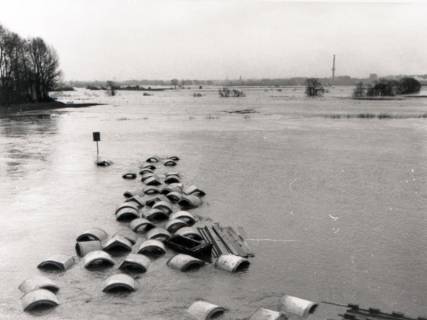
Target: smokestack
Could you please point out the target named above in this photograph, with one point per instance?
(333, 68)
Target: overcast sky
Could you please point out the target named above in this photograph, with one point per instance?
(218, 39)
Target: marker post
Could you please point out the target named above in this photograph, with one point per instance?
(97, 137)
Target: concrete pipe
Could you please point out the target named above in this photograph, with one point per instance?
(194, 190)
(148, 166)
(37, 299)
(145, 170)
(267, 314)
(151, 200)
(174, 196)
(135, 263)
(172, 173)
(184, 216)
(141, 225)
(173, 225)
(153, 159)
(165, 189)
(176, 187)
(38, 282)
(232, 263)
(184, 262)
(169, 163)
(300, 307)
(152, 248)
(156, 215)
(163, 205)
(189, 232)
(158, 234)
(97, 258)
(203, 310)
(59, 262)
(84, 247)
(152, 181)
(127, 234)
(127, 212)
(150, 190)
(174, 158)
(129, 176)
(119, 282)
(172, 179)
(137, 200)
(93, 234)
(129, 194)
(147, 175)
(117, 243)
(190, 201)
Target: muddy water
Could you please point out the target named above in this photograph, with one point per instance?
(336, 209)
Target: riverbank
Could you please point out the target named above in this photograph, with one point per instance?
(43, 106)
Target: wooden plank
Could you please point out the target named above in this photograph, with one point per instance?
(235, 242)
(242, 241)
(224, 239)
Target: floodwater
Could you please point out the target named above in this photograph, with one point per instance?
(335, 208)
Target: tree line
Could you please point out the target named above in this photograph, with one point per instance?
(29, 69)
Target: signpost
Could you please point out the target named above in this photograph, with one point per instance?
(97, 137)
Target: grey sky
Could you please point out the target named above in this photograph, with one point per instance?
(216, 39)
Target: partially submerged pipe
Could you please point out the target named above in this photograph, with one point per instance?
(152, 248)
(153, 159)
(203, 310)
(84, 247)
(38, 282)
(184, 216)
(40, 298)
(184, 262)
(169, 163)
(150, 190)
(127, 212)
(135, 263)
(174, 196)
(190, 201)
(156, 214)
(300, 307)
(158, 234)
(141, 225)
(97, 259)
(267, 314)
(175, 224)
(129, 176)
(164, 206)
(195, 191)
(119, 282)
(152, 181)
(59, 262)
(189, 232)
(232, 263)
(93, 234)
(117, 243)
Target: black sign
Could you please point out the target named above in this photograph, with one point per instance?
(96, 136)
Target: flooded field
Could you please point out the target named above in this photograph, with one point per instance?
(335, 208)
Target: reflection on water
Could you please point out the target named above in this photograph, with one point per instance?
(24, 142)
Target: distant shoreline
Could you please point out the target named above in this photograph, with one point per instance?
(44, 106)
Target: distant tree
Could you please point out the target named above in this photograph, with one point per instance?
(111, 88)
(175, 82)
(409, 85)
(29, 69)
(313, 87)
(44, 68)
(384, 87)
